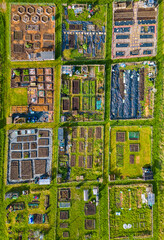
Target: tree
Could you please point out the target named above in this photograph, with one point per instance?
(67, 54)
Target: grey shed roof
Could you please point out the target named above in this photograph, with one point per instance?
(49, 55)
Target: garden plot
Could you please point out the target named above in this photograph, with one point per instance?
(83, 31)
(25, 207)
(39, 83)
(80, 153)
(83, 93)
(29, 156)
(78, 213)
(130, 150)
(32, 32)
(132, 90)
(134, 29)
(130, 211)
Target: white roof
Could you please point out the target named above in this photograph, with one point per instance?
(95, 191)
(85, 195)
(44, 181)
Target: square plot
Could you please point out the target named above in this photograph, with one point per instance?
(44, 133)
(81, 161)
(43, 141)
(135, 147)
(14, 170)
(131, 159)
(80, 201)
(16, 155)
(129, 204)
(90, 209)
(26, 169)
(64, 194)
(25, 146)
(75, 103)
(83, 36)
(73, 160)
(40, 166)
(18, 35)
(16, 146)
(35, 31)
(23, 165)
(37, 94)
(34, 145)
(63, 225)
(98, 132)
(81, 146)
(89, 224)
(33, 154)
(134, 29)
(134, 135)
(84, 154)
(82, 132)
(120, 136)
(74, 132)
(82, 93)
(75, 86)
(125, 157)
(66, 104)
(65, 234)
(64, 214)
(89, 161)
(119, 155)
(43, 152)
(133, 81)
(18, 48)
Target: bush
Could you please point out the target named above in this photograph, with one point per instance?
(75, 54)
(67, 54)
(17, 72)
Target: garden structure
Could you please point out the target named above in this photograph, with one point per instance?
(130, 151)
(39, 83)
(130, 211)
(32, 32)
(134, 29)
(76, 216)
(80, 153)
(83, 93)
(83, 31)
(30, 155)
(132, 90)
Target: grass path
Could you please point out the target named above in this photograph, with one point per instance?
(157, 122)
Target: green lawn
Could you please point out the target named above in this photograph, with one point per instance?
(122, 167)
(126, 202)
(76, 220)
(82, 148)
(18, 97)
(18, 220)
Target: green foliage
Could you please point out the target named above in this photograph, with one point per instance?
(17, 72)
(65, 89)
(26, 72)
(75, 54)
(18, 97)
(28, 45)
(85, 46)
(67, 54)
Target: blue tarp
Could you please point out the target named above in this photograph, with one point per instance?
(122, 36)
(125, 105)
